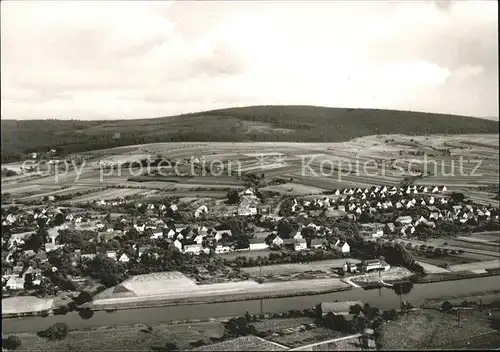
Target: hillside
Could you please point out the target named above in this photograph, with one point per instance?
(256, 123)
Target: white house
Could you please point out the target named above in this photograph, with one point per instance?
(124, 258)
(257, 244)
(277, 241)
(201, 210)
(298, 235)
(140, 228)
(199, 239)
(300, 245)
(220, 248)
(194, 248)
(343, 247)
(170, 233)
(378, 234)
(178, 244)
(157, 233)
(15, 283)
(111, 254)
(173, 207)
(404, 220)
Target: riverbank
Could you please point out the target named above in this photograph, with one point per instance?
(151, 302)
(383, 299)
(451, 276)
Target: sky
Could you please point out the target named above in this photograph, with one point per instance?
(139, 59)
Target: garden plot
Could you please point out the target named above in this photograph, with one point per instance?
(289, 269)
(60, 192)
(25, 304)
(294, 188)
(431, 329)
(432, 269)
(477, 267)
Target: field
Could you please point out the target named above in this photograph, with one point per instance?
(109, 194)
(25, 304)
(175, 287)
(431, 329)
(305, 337)
(129, 338)
(290, 269)
(312, 167)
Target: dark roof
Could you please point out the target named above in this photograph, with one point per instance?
(256, 240)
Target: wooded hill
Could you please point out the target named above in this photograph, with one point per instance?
(255, 123)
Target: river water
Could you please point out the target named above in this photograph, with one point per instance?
(383, 299)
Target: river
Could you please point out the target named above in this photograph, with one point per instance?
(384, 298)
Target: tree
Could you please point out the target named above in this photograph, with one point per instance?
(86, 314)
(285, 229)
(83, 298)
(390, 314)
(446, 306)
(58, 331)
(233, 197)
(12, 342)
(457, 197)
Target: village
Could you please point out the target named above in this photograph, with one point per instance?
(125, 231)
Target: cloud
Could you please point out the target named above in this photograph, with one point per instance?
(146, 59)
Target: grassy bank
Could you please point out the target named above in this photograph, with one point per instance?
(430, 278)
(148, 303)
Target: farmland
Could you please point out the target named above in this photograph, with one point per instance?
(431, 329)
(311, 167)
(126, 338)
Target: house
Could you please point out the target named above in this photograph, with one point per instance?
(390, 228)
(435, 215)
(331, 213)
(193, 248)
(111, 254)
(157, 233)
(199, 238)
(277, 241)
(300, 244)
(337, 308)
(298, 235)
(444, 189)
(87, 256)
(124, 258)
(222, 248)
(140, 228)
(178, 244)
(170, 233)
(15, 283)
(316, 243)
(378, 234)
(342, 247)
(399, 205)
(201, 210)
(257, 244)
(404, 220)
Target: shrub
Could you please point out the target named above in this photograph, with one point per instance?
(446, 306)
(12, 342)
